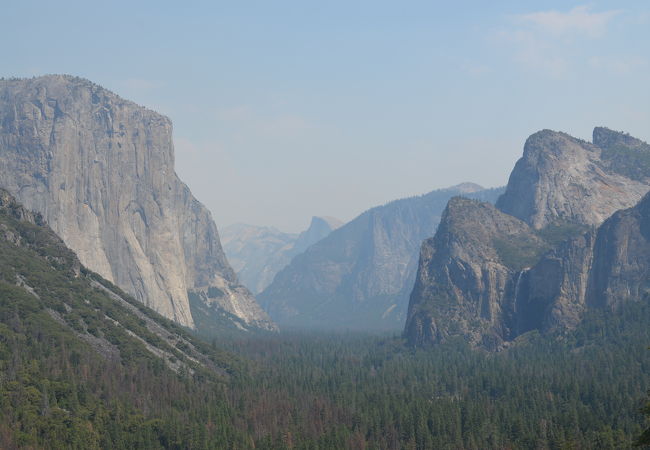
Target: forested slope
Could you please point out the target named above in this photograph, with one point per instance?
(82, 365)
(580, 390)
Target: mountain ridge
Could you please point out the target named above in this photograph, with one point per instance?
(557, 193)
(259, 253)
(359, 276)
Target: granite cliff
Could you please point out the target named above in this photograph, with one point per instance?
(44, 285)
(561, 179)
(258, 253)
(543, 256)
(466, 272)
(602, 268)
(100, 170)
(360, 275)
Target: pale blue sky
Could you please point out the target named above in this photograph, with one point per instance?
(287, 109)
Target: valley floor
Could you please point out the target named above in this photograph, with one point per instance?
(329, 391)
(581, 390)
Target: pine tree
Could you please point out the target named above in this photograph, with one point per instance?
(644, 439)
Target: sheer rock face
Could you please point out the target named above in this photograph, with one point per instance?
(258, 253)
(621, 258)
(100, 170)
(552, 294)
(562, 262)
(360, 275)
(600, 269)
(466, 282)
(566, 180)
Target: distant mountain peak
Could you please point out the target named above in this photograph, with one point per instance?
(332, 222)
(259, 253)
(467, 188)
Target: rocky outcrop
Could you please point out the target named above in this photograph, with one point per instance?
(621, 258)
(602, 268)
(100, 170)
(466, 281)
(552, 294)
(561, 179)
(11, 208)
(258, 253)
(562, 262)
(360, 276)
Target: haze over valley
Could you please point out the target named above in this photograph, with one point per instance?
(343, 226)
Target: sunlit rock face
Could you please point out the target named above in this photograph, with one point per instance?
(561, 179)
(100, 169)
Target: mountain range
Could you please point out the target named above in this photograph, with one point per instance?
(257, 253)
(360, 275)
(570, 233)
(110, 268)
(567, 234)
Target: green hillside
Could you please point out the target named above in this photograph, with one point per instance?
(83, 365)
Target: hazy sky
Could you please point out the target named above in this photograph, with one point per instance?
(287, 109)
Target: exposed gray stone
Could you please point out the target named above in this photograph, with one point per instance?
(360, 276)
(100, 170)
(564, 179)
(621, 258)
(488, 280)
(465, 282)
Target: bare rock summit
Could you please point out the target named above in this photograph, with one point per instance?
(562, 179)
